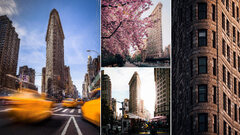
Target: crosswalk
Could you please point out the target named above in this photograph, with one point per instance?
(66, 110)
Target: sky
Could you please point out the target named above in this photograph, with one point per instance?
(166, 19)
(80, 20)
(120, 78)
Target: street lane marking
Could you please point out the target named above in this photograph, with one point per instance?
(72, 111)
(5, 110)
(55, 108)
(76, 125)
(58, 110)
(66, 115)
(65, 110)
(67, 125)
(79, 111)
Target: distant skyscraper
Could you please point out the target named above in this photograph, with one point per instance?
(114, 108)
(162, 86)
(154, 41)
(54, 76)
(134, 94)
(9, 50)
(106, 89)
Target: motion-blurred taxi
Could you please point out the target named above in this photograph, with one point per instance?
(79, 101)
(91, 108)
(29, 106)
(69, 102)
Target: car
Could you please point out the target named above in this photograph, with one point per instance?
(69, 102)
(79, 101)
(28, 106)
(91, 108)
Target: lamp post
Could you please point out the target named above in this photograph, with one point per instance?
(93, 51)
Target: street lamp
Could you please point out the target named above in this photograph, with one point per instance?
(93, 51)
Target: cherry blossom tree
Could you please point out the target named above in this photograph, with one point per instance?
(122, 26)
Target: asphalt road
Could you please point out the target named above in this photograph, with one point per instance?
(64, 121)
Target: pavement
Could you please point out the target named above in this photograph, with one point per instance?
(128, 64)
(64, 121)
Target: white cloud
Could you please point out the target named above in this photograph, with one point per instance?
(8, 7)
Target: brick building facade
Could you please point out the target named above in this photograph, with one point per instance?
(206, 65)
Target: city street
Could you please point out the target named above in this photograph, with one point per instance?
(128, 64)
(64, 121)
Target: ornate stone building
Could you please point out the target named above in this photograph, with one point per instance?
(162, 86)
(206, 65)
(154, 40)
(54, 71)
(9, 50)
(27, 76)
(134, 94)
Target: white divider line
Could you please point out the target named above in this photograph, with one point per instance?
(76, 125)
(67, 125)
(65, 110)
(79, 110)
(72, 111)
(5, 110)
(58, 110)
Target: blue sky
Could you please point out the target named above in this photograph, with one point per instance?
(81, 25)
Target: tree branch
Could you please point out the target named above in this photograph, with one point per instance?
(113, 32)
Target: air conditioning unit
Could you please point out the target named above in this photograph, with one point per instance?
(238, 44)
(238, 19)
(228, 33)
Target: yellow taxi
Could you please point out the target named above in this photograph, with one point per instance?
(79, 101)
(91, 108)
(69, 102)
(29, 106)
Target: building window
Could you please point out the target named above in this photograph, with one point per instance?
(238, 43)
(234, 34)
(224, 128)
(228, 53)
(233, 9)
(223, 2)
(224, 101)
(239, 89)
(215, 124)
(214, 94)
(235, 85)
(202, 37)
(228, 31)
(223, 47)
(229, 107)
(191, 67)
(238, 64)
(202, 122)
(237, 14)
(191, 95)
(236, 133)
(213, 12)
(202, 65)
(191, 14)
(234, 60)
(223, 21)
(229, 130)
(235, 112)
(202, 11)
(202, 93)
(227, 4)
(214, 66)
(191, 39)
(229, 80)
(224, 74)
(214, 39)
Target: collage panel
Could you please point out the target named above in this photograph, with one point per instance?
(135, 101)
(136, 33)
(50, 67)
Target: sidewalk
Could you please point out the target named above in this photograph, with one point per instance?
(128, 64)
